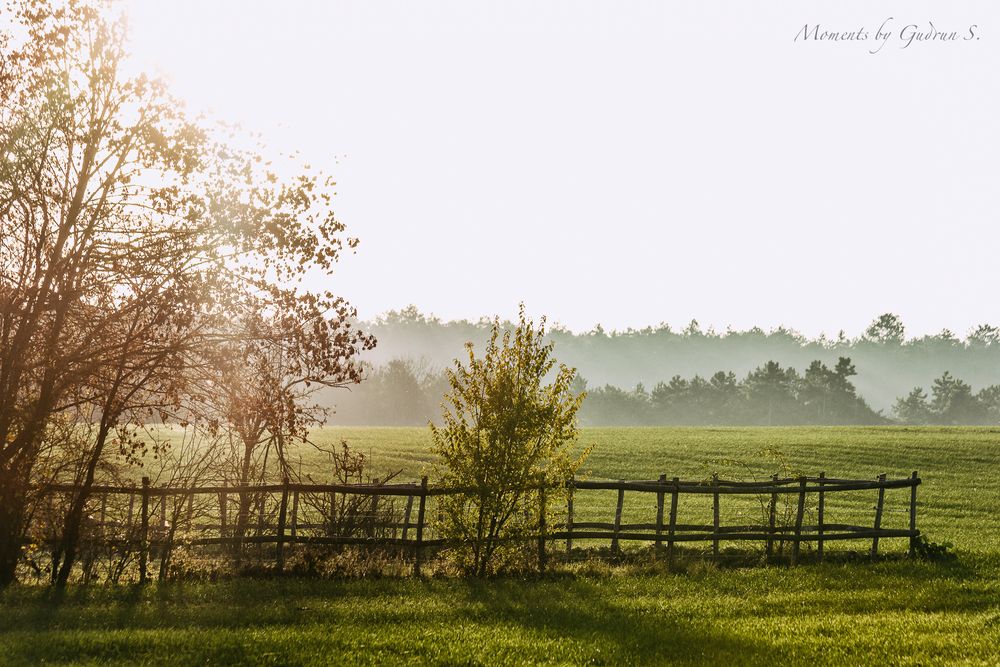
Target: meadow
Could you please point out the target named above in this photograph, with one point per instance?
(849, 610)
(959, 467)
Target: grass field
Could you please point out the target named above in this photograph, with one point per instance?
(896, 611)
(960, 467)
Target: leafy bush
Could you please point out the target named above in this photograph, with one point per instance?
(505, 432)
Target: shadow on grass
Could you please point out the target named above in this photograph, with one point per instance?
(607, 627)
(626, 616)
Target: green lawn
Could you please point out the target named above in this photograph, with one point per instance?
(960, 468)
(896, 611)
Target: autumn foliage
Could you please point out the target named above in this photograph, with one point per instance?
(149, 271)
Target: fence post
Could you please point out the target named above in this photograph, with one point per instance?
(406, 518)
(420, 526)
(541, 528)
(144, 532)
(569, 514)
(282, 513)
(101, 536)
(914, 480)
(819, 516)
(163, 515)
(798, 520)
(261, 504)
(618, 518)
(715, 515)
(190, 512)
(104, 514)
(295, 513)
(374, 510)
(878, 513)
(659, 511)
(131, 505)
(167, 534)
(673, 517)
(772, 515)
(223, 499)
(332, 528)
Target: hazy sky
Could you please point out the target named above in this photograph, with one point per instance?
(626, 162)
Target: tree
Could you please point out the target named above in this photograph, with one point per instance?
(259, 387)
(952, 402)
(914, 409)
(771, 393)
(131, 239)
(507, 429)
(695, 401)
(989, 397)
(668, 399)
(886, 329)
(612, 406)
(984, 336)
(401, 392)
(829, 396)
(726, 396)
(816, 390)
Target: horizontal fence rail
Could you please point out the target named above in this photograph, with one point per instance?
(147, 521)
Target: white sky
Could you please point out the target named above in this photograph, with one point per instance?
(625, 162)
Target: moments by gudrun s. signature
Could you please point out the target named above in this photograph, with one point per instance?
(890, 30)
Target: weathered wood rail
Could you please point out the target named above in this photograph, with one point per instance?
(672, 532)
(148, 525)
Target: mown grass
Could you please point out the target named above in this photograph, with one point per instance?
(866, 613)
(960, 469)
(896, 611)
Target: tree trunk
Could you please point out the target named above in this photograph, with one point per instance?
(168, 541)
(245, 499)
(16, 463)
(71, 531)
(13, 499)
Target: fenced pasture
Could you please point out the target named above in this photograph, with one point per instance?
(128, 527)
(957, 500)
(780, 527)
(893, 611)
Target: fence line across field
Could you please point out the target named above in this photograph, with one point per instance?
(666, 529)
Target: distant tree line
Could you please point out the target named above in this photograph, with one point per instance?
(404, 392)
(399, 393)
(768, 395)
(952, 401)
(889, 363)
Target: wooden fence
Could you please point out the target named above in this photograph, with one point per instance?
(672, 532)
(385, 515)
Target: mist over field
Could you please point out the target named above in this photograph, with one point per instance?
(227, 439)
(888, 363)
